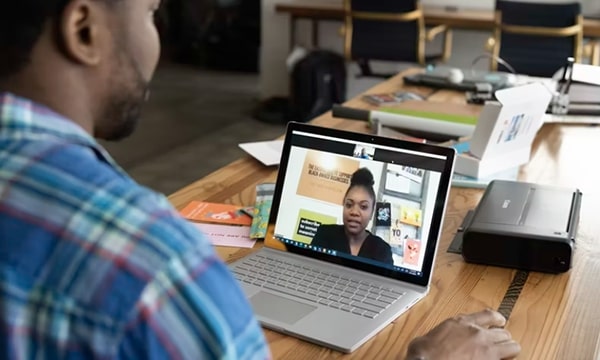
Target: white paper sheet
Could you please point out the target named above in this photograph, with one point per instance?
(227, 235)
(267, 152)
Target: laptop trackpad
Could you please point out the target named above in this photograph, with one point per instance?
(279, 308)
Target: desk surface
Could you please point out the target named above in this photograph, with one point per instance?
(434, 15)
(555, 317)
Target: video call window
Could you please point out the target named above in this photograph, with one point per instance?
(333, 201)
(364, 152)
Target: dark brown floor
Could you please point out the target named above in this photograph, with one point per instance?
(191, 126)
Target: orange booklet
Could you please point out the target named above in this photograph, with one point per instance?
(216, 213)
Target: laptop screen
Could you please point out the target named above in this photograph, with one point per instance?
(368, 202)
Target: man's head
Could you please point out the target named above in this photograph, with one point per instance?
(90, 60)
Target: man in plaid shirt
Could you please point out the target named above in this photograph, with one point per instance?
(92, 265)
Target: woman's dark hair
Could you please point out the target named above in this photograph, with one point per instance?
(363, 178)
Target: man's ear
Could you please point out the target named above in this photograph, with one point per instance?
(82, 31)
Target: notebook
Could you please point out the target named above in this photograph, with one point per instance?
(317, 290)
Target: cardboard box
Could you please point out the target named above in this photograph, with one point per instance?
(505, 131)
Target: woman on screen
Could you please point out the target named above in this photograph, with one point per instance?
(353, 237)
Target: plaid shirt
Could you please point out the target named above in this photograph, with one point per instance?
(92, 265)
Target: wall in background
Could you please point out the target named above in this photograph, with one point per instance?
(275, 47)
(275, 42)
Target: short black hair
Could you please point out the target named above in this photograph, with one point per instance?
(21, 24)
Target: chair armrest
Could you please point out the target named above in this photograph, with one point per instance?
(489, 44)
(591, 51)
(435, 31)
(447, 41)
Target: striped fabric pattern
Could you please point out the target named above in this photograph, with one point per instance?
(95, 266)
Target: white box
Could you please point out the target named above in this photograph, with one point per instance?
(505, 131)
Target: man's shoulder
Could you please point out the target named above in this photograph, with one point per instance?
(73, 165)
(117, 234)
(74, 160)
(95, 206)
(127, 207)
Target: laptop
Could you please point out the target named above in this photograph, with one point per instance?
(323, 293)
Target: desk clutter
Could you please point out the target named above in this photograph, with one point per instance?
(463, 80)
(434, 125)
(578, 90)
(494, 142)
(504, 133)
(233, 225)
(516, 224)
(575, 88)
(224, 224)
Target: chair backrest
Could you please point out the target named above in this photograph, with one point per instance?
(535, 38)
(391, 30)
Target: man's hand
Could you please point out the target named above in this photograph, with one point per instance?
(473, 336)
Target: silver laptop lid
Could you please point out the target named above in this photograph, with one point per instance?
(322, 201)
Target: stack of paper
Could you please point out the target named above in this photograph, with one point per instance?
(224, 224)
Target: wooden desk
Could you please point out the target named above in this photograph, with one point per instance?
(555, 316)
(473, 19)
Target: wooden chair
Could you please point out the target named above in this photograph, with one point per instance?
(591, 50)
(389, 30)
(535, 38)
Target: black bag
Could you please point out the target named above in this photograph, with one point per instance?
(318, 81)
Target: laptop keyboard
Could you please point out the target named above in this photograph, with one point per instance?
(337, 291)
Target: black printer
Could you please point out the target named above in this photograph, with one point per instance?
(523, 225)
